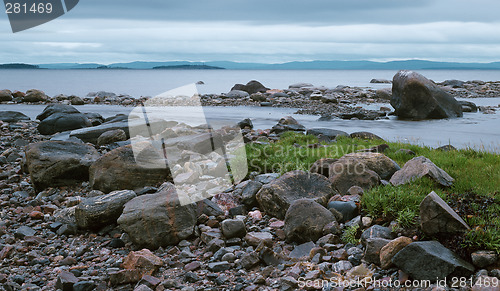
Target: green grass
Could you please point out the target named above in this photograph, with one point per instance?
(474, 172)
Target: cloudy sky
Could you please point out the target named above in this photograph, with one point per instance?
(108, 31)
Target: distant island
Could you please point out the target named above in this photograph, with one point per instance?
(188, 67)
(230, 65)
(18, 66)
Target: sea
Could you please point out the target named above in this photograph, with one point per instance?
(475, 130)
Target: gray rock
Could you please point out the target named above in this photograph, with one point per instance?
(237, 94)
(75, 100)
(305, 220)
(349, 210)
(453, 83)
(380, 81)
(275, 198)
(416, 97)
(34, 95)
(365, 135)
(287, 123)
(53, 163)
(112, 136)
(219, 266)
(300, 85)
(348, 172)
(56, 108)
(155, 220)
(84, 286)
(468, 106)
(12, 116)
(65, 281)
(249, 260)
(267, 178)
(419, 167)
(302, 250)
(327, 132)
(118, 170)
(99, 211)
(249, 192)
(430, 260)
(59, 122)
(373, 248)
(255, 238)
(233, 228)
(384, 166)
(23, 231)
(376, 231)
(5, 95)
(208, 207)
(483, 259)
(438, 217)
(251, 87)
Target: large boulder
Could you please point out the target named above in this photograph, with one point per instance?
(56, 108)
(112, 136)
(118, 170)
(12, 116)
(438, 217)
(53, 163)
(326, 132)
(287, 123)
(430, 260)
(419, 167)
(275, 198)
(34, 95)
(416, 97)
(99, 211)
(384, 166)
(5, 95)
(251, 87)
(59, 122)
(305, 220)
(155, 220)
(348, 172)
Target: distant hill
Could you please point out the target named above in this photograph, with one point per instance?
(306, 65)
(18, 66)
(188, 67)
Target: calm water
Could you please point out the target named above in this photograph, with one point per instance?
(152, 82)
(476, 130)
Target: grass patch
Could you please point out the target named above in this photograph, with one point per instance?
(474, 172)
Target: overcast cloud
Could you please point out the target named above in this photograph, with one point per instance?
(108, 31)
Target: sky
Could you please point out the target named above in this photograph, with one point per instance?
(267, 31)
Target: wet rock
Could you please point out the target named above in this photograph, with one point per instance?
(391, 249)
(56, 108)
(438, 217)
(112, 136)
(384, 93)
(483, 259)
(275, 198)
(430, 260)
(349, 172)
(416, 97)
(118, 170)
(12, 116)
(75, 100)
(373, 248)
(155, 220)
(376, 231)
(233, 228)
(287, 123)
(245, 123)
(305, 220)
(419, 167)
(52, 163)
(380, 81)
(99, 211)
(95, 118)
(34, 95)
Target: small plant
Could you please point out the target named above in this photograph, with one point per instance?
(406, 217)
(349, 235)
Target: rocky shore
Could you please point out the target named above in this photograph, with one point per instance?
(340, 102)
(78, 212)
